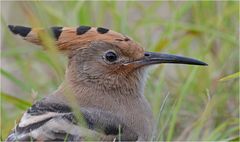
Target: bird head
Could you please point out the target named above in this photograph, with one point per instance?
(101, 56)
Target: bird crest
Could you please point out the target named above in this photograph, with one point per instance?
(68, 38)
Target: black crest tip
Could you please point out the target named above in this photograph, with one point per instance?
(102, 30)
(56, 32)
(11, 27)
(82, 29)
(21, 30)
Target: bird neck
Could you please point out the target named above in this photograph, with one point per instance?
(131, 84)
(111, 88)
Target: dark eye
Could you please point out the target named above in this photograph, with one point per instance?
(111, 56)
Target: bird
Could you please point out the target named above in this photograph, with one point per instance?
(102, 95)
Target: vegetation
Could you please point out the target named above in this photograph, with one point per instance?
(188, 102)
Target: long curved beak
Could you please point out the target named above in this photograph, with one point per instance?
(159, 58)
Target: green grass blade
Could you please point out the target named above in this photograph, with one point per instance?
(12, 78)
(183, 93)
(230, 77)
(19, 103)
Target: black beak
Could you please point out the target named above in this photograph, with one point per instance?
(158, 58)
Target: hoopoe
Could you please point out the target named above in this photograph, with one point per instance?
(105, 78)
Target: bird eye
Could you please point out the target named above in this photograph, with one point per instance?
(111, 56)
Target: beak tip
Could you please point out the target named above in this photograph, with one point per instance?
(203, 64)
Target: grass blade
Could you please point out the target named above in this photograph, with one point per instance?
(232, 76)
(12, 78)
(19, 103)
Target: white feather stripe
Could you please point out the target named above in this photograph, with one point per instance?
(28, 119)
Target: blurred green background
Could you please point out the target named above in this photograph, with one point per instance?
(188, 102)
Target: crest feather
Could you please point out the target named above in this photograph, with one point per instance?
(67, 38)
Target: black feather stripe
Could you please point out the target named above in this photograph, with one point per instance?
(41, 107)
(71, 118)
(56, 32)
(112, 130)
(102, 30)
(21, 30)
(61, 136)
(82, 29)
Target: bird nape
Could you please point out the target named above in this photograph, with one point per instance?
(105, 78)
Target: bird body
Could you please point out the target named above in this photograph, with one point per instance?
(104, 83)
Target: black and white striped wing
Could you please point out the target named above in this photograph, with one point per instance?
(52, 122)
